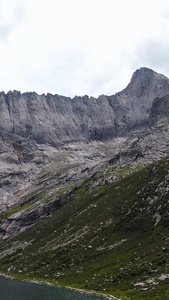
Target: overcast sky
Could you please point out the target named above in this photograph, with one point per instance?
(77, 47)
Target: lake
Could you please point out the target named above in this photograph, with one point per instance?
(21, 290)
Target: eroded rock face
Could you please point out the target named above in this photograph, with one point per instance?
(57, 120)
(73, 137)
(159, 110)
(151, 144)
(133, 105)
(32, 127)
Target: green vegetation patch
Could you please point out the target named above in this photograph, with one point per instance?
(111, 238)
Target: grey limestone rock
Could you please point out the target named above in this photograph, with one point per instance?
(57, 120)
(159, 110)
(151, 144)
(132, 106)
(69, 139)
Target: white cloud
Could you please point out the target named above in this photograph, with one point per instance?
(153, 53)
(79, 46)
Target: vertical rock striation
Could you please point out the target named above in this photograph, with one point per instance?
(56, 120)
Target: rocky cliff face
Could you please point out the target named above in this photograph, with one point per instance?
(57, 120)
(151, 144)
(73, 137)
(133, 105)
(159, 111)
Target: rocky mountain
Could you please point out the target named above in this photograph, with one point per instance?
(60, 157)
(34, 127)
(57, 120)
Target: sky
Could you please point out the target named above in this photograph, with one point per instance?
(78, 47)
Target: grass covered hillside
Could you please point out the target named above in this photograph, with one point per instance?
(112, 237)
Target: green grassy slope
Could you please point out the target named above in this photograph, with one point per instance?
(112, 238)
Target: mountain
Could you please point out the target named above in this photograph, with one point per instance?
(111, 236)
(84, 188)
(34, 127)
(58, 120)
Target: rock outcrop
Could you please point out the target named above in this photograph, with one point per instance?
(159, 111)
(151, 144)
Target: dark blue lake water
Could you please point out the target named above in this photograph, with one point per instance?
(20, 290)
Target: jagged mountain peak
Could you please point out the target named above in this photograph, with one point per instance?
(143, 70)
(57, 120)
(142, 76)
(145, 81)
(145, 74)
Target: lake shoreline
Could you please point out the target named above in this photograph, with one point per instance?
(108, 297)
